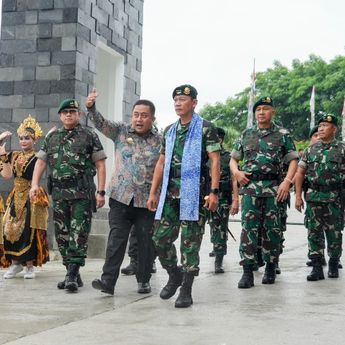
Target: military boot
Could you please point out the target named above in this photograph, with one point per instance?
(184, 299)
(317, 271)
(270, 273)
(247, 280)
(175, 280)
(71, 283)
(333, 268)
(131, 269)
(218, 264)
(61, 285)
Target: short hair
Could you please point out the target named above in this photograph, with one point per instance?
(147, 103)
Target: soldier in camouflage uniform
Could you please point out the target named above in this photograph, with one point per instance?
(262, 148)
(228, 204)
(182, 171)
(74, 154)
(323, 167)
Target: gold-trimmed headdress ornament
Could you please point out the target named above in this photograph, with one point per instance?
(31, 127)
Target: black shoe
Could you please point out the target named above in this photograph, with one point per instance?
(102, 285)
(212, 254)
(184, 299)
(278, 270)
(218, 264)
(270, 273)
(175, 280)
(71, 284)
(317, 271)
(131, 269)
(61, 285)
(333, 266)
(247, 279)
(154, 268)
(144, 287)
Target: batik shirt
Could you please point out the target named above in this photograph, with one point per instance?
(263, 151)
(325, 167)
(210, 143)
(136, 156)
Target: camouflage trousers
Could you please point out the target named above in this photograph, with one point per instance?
(219, 225)
(324, 219)
(282, 206)
(260, 214)
(167, 231)
(72, 223)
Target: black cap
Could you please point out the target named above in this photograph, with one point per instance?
(185, 90)
(313, 131)
(263, 101)
(68, 103)
(329, 118)
(220, 132)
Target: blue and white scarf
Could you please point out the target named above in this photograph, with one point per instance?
(190, 170)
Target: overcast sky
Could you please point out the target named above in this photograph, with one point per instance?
(212, 44)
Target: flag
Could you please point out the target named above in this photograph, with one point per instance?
(312, 108)
(251, 102)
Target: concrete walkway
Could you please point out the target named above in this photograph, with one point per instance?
(292, 311)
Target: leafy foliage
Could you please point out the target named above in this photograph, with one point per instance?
(291, 91)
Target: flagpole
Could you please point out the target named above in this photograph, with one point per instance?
(251, 102)
(312, 108)
(343, 121)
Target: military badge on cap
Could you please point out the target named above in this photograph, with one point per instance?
(263, 101)
(186, 90)
(329, 118)
(69, 103)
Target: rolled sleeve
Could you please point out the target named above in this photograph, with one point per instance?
(42, 155)
(99, 155)
(290, 156)
(236, 155)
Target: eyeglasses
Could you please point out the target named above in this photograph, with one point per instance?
(71, 111)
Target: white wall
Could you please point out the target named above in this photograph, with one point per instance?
(109, 84)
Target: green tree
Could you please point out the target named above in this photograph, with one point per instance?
(291, 90)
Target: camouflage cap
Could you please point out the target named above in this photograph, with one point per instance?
(186, 90)
(313, 131)
(68, 103)
(329, 118)
(263, 101)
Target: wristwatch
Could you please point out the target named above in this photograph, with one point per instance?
(214, 191)
(101, 192)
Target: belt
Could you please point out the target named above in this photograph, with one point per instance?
(263, 177)
(325, 189)
(65, 184)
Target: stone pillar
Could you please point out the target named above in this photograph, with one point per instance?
(48, 51)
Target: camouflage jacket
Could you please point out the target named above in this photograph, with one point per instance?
(135, 159)
(210, 143)
(263, 151)
(325, 171)
(71, 157)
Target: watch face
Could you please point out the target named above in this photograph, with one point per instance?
(101, 192)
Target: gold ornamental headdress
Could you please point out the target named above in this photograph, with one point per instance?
(30, 126)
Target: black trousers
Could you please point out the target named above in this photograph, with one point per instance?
(121, 219)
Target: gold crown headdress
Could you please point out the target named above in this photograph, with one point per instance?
(30, 126)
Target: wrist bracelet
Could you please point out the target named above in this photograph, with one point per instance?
(287, 179)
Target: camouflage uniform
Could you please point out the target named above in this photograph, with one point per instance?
(325, 175)
(219, 225)
(263, 151)
(71, 157)
(167, 228)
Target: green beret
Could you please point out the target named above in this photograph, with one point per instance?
(263, 101)
(68, 103)
(329, 118)
(313, 131)
(185, 90)
(220, 132)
